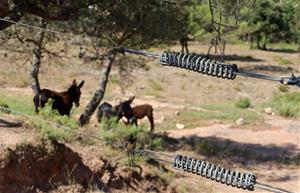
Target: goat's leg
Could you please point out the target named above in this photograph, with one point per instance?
(135, 122)
(150, 117)
(43, 100)
(99, 116)
(118, 119)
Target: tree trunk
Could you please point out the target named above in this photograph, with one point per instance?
(257, 41)
(265, 42)
(36, 60)
(98, 95)
(250, 38)
(15, 15)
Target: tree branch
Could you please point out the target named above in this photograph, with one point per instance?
(15, 15)
(21, 8)
(63, 15)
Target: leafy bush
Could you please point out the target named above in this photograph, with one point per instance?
(122, 135)
(243, 103)
(283, 88)
(50, 130)
(287, 105)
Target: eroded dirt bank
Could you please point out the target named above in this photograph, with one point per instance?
(50, 166)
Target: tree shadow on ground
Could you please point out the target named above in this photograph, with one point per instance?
(271, 68)
(234, 57)
(4, 123)
(282, 50)
(234, 152)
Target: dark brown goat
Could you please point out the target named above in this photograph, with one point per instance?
(108, 111)
(62, 101)
(140, 112)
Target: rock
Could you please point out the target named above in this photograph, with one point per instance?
(162, 118)
(177, 113)
(180, 126)
(240, 121)
(124, 119)
(269, 110)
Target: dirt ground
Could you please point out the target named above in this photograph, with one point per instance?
(265, 142)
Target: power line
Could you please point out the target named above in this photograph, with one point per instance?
(271, 188)
(210, 67)
(33, 26)
(245, 181)
(52, 123)
(184, 60)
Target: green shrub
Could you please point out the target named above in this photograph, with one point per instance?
(4, 105)
(114, 79)
(282, 61)
(283, 88)
(209, 148)
(119, 135)
(156, 143)
(50, 130)
(243, 103)
(155, 85)
(287, 105)
(288, 110)
(108, 124)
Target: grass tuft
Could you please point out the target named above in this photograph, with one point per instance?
(283, 88)
(155, 88)
(282, 61)
(23, 104)
(243, 103)
(287, 105)
(114, 79)
(2, 104)
(155, 85)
